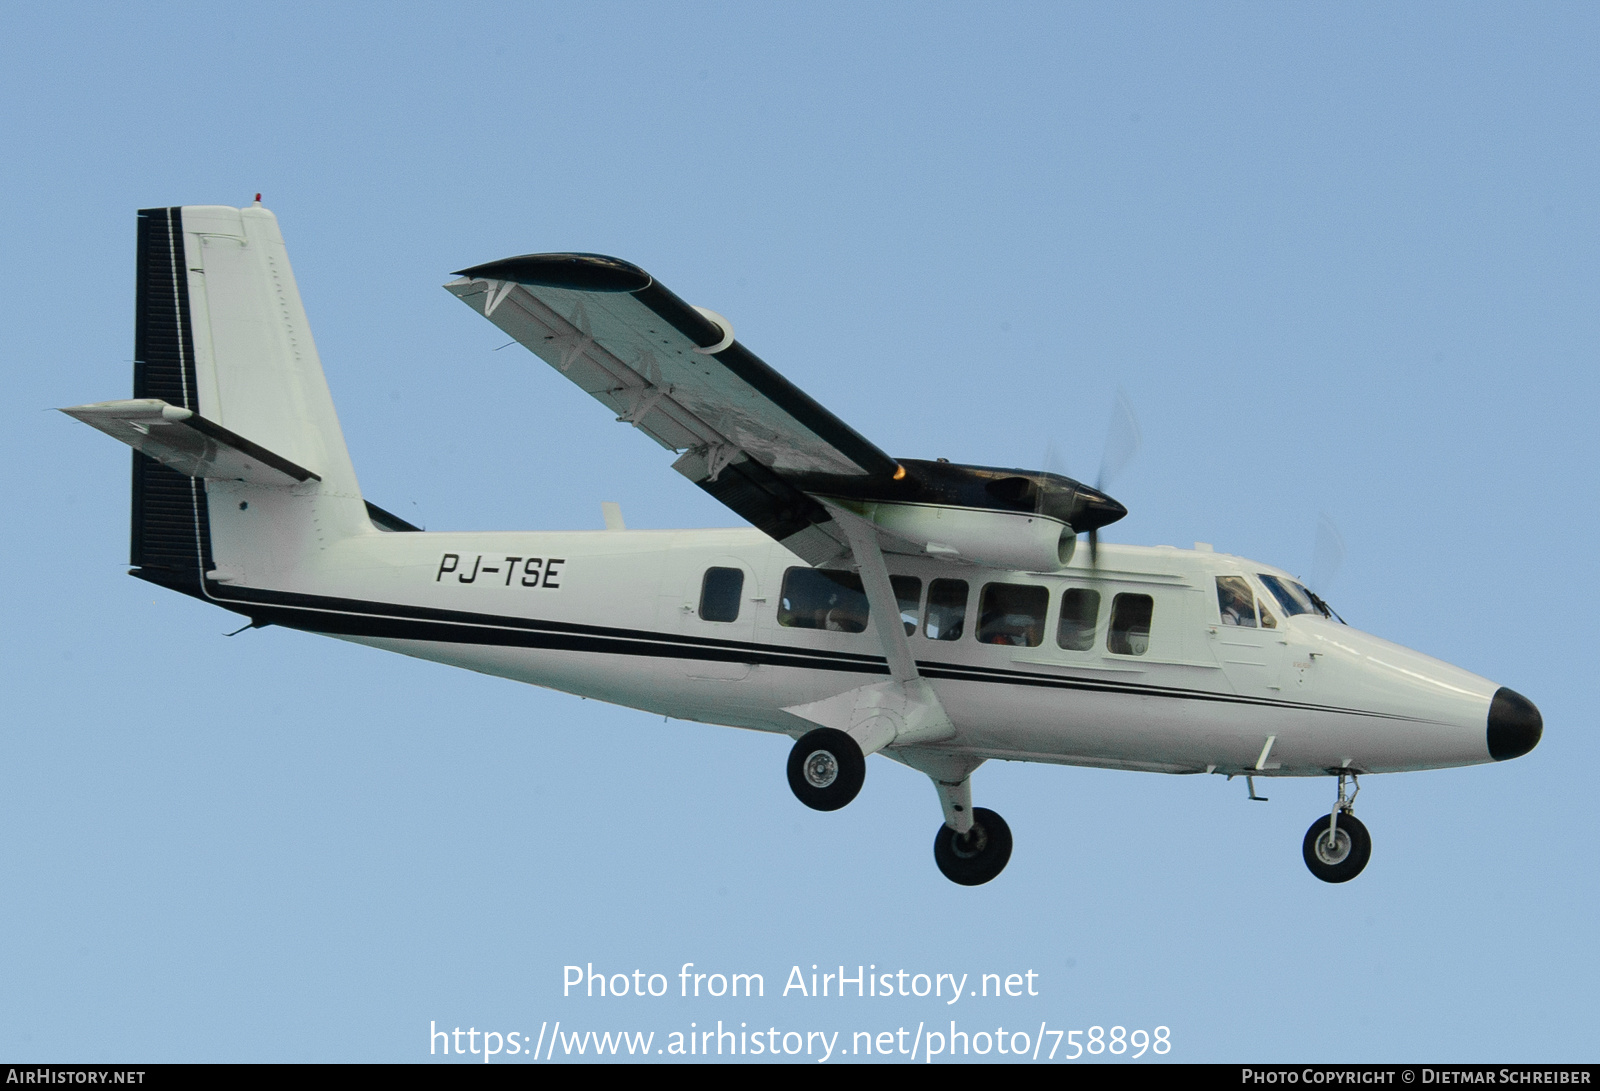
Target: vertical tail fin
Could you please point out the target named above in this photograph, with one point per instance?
(220, 331)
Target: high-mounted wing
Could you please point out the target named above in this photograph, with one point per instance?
(674, 371)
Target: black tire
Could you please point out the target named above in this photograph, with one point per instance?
(979, 855)
(826, 769)
(1343, 861)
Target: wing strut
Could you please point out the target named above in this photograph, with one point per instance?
(880, 594)
(904, 711)
(924, 720)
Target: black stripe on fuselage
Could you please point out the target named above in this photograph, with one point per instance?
(360, 618)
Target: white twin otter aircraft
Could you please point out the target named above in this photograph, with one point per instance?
(935, 613)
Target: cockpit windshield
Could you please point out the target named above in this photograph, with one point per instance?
(1294, 598)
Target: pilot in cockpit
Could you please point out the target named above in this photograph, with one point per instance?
(1237, 605)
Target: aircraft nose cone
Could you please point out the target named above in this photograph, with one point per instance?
(1515, 726)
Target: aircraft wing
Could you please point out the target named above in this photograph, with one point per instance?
(744, 432)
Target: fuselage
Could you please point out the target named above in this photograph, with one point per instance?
(715, 626)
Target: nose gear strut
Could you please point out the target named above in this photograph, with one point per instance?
(1337, 847)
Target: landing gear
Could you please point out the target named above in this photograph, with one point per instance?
(974, 857)
(1338, 846)
(826, 769)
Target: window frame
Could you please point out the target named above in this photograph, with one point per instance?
(783, 589)
(1093, 631)
(1249, 588)
(1039, 627)
(1150, 624)
(896, 582)
(1278, 589)
(738, 594)
(966, 608)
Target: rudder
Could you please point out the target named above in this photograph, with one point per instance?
(170, 535)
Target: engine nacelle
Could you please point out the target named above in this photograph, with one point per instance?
(995, 539)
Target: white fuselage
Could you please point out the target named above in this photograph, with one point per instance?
(616, 615)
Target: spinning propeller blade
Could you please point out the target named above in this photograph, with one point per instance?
(1123, 440)
(1327, 556)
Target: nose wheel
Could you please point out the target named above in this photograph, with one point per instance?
(826, 769)
(974, 857)
(1337, 846)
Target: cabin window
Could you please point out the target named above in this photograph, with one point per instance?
(908, 593)
(947, 610)
(1236, 603)
(719, 594)
(1130, 625)
(822, 598)
(1080, 615)
(1012, 614)
(1267, 620)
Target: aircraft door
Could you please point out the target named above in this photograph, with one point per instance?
(1248, 639)
(718, 608)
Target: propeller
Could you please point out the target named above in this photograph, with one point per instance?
(1123, 440)
(1327, 556)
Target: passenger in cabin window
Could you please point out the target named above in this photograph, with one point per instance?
(842, 619)
(947, 609)
(1012, 615)
(1129, 633)
(818, 598)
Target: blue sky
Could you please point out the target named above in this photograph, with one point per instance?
(1341, 258)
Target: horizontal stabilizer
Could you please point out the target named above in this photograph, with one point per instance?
(187, 442)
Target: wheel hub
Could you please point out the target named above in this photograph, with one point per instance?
(970, 844)
(821, 769)
(1333, 847)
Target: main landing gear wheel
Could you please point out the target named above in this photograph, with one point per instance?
(975, 857)
(1337, 856)
(826, 769)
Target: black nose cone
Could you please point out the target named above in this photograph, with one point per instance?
(1515, 726)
